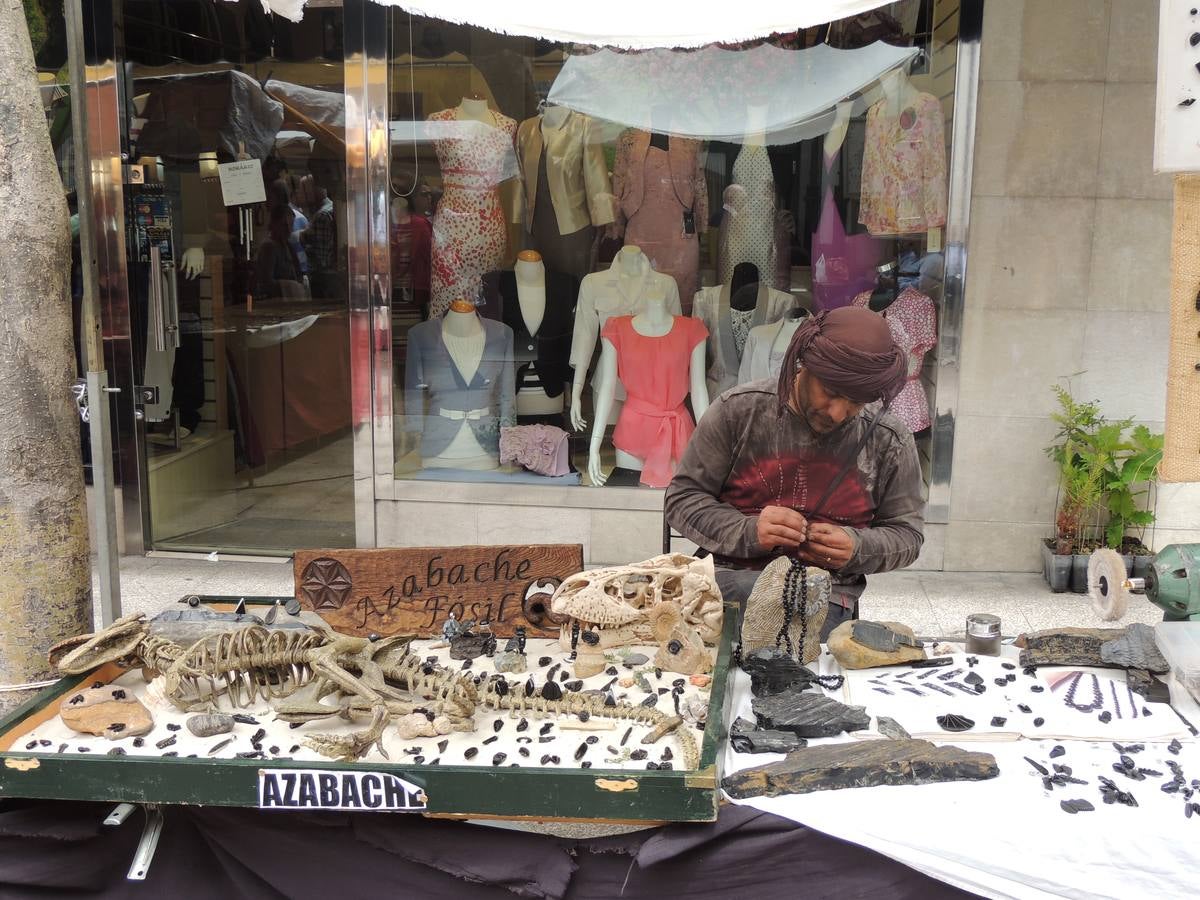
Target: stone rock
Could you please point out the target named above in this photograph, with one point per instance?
(210, 724)
(1066, 646)
(890, 728)
(879, 636)
(694, 709)
(771, 670)
(745, 738)
(510, 661)
(472, 644)
(764, 610)
(831, 767)
(109, 710)
(808, 715)
(589, 661)
(414, 725)
(635, 659)
(700, 680)
(850, 654)
(1135, 649)
(684, 652)
(1153, 688)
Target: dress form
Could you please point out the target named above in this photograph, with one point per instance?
(632, 275)
(530, 272)
(473, 108)
(655, 320)
(463, 335)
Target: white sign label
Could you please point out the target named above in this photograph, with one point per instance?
(329, 789)
(1177, 106)
(242, 182)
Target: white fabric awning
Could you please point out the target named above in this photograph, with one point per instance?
(631, 24)
(716, 94)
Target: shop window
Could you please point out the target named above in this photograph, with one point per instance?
(589, 245)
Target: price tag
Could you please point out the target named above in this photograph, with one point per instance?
(242, 182)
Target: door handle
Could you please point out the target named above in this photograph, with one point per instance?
(171, 307)
(156, 297)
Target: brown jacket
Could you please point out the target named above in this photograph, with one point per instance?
(744, 457)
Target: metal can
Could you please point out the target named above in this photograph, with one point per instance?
(983, 634)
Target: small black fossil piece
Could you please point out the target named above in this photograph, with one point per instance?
(581, 751)
(1174, 747)
(1000, 682)
(545, 729)
(258, 735)
(544, 661)
(664, 766)
(523, 725)
(662, 690)
(652, 765)
(500, 686)
(1037, 765)
(171, 726)
(667, 754)
(530, 687)
(44, 743)
(497, 724)
(1008, 665)
(638, 754)
(1036, 688)
(1194, 39)
(651, 700)
(998, 721)
(575, 685)
(499, 758)
(116, 751)
(1039, 722)
(625, 736)
(586, 764)
(591, 739)
(33, 744)
(609, 699)
(1031, 671)
(612, 671)
(85, 749)
(221, 745)
(955, 722)
(245, 719)
(524, 739)
(1057, 750)
(248, 754)
(980, 688)
(1105, 717)
(176, 753)
(973, 678)
(467, 663)
(546, 759)
(545, 740)
(139, 742)
(1023, 708)
(972, 661)
(583, 715)
(166, 742)
(524, 751)
(564, 676)
(551, 691)
(470, 752)
(1076, 806)
(491, 740)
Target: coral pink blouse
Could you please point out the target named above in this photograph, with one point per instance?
(654, 425)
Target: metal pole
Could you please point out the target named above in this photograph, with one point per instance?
(99, 421)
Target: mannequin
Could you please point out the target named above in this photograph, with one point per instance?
(666, 429)
(886, 288)
(904, 162)
(748, 226)
(532, 399)
(463, 335)
(469, 232)
(729, 313)
(767, 344)
(620, 290)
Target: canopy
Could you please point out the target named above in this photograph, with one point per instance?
(717, 94)
(632, 24)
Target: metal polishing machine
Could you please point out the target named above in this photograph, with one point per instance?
(1173, 583)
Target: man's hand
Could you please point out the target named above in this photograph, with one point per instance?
(829, 546)
(779, 526)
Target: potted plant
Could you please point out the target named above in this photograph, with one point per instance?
(1129, 479)
(1080, 490)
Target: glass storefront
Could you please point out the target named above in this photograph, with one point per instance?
(589, 245)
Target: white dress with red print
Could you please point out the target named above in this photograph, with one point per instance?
(469, 230)
(912, 319)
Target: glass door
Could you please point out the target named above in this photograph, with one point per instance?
(232, 134)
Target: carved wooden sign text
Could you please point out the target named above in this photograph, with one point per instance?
(414, 590)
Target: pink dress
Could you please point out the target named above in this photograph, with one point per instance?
(912, 319)
(842, 264)
(654, 425)
(469, 230)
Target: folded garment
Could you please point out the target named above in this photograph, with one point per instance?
(539, 448)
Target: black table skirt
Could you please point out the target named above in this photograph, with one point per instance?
(60, 849)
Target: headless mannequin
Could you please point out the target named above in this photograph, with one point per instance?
(886, 288)
(653, 321)
(629, 266)
(531, 296)
(462, 333)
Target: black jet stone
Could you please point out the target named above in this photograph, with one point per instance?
(998, 721)
(1057, 751)
(772, 671)
(1105, 717)
(808, 714)
(551, 691)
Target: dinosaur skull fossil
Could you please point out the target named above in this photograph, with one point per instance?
(640, 603)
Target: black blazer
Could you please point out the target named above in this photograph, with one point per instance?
(552, 346)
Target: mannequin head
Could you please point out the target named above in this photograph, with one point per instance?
(461, 306)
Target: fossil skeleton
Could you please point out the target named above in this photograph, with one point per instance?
(641, 603)
(379, 679)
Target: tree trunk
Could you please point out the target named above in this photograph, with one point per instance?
(45, 571)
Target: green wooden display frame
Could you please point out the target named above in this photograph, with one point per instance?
(542, 794)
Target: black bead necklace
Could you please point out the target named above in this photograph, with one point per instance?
(1098, 697)
(795, 582)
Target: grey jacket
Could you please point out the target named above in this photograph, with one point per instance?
(432, 382)
(744, 456)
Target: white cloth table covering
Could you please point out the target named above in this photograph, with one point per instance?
(1008, 837)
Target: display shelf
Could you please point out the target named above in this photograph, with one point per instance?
(483, 791)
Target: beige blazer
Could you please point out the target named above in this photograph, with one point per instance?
(575, 170)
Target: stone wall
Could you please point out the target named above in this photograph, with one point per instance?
(1068, 265)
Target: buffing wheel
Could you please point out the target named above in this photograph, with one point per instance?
(1107, 585)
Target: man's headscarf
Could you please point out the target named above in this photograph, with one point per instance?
(850, 351)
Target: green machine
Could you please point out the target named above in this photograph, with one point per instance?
(1173, 583)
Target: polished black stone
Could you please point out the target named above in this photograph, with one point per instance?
(581, 751)
(551, 691)
(499, 758)
(973, 678)
(772, 671)
(523, 725)
(1039, 722)
(492, 739)
(470, 752)
(745, 738)
(1057, 751)
(955, 722)
(808, 714)
(1023, 708)
(638, 754)
(998, 721)
(1036, 688)
(1105, 717)
(1175, 746)
(1042, 770)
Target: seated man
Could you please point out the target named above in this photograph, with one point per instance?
(804, 467)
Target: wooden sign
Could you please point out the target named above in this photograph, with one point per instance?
(413, 590)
